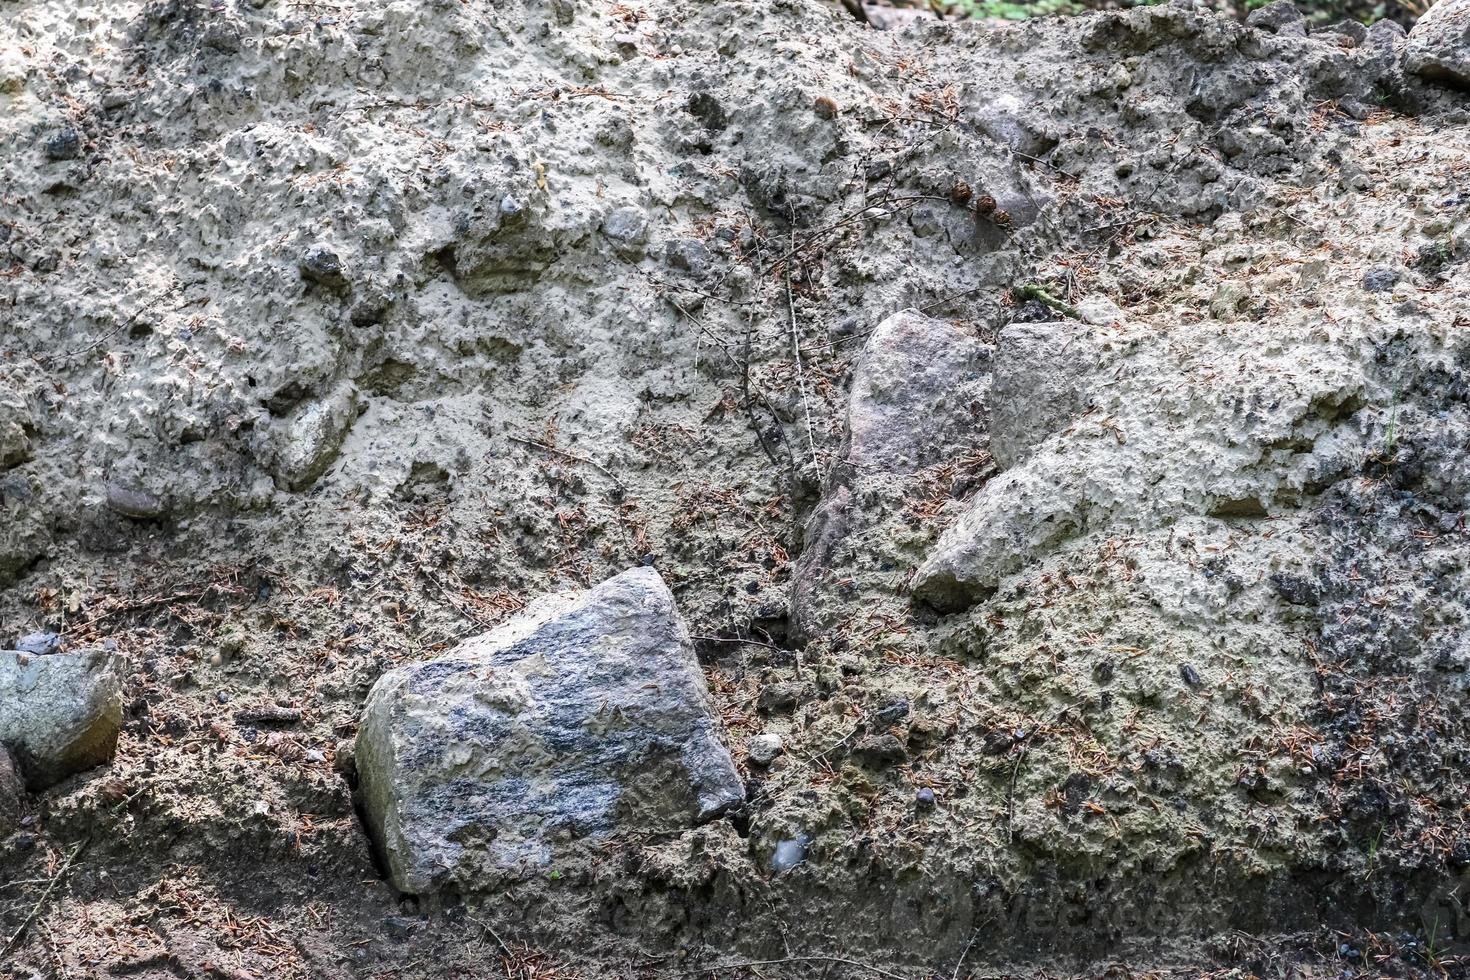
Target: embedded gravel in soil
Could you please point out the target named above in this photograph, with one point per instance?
(334, 333)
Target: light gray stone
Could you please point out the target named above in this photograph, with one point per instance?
(306, 445)
(585, 716)
(1279, 17)
(762, 750)
(918, 399)
(627, 229)
(910, 394)
(1439, 45)
(60, 713)
(1038, 384)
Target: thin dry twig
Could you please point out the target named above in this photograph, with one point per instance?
(811, 436)
(45, 897)
(572, 456)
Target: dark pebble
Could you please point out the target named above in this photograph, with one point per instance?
(1380, 279)
(64, 145)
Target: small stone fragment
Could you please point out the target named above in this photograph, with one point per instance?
(627, 229)
(140, 505)
(687, 255)
(1380, 279)
(891, 713)
(61, 712)
(39, 643)
(65, 144)
(324, 267)
(789, 853)
(762, 750)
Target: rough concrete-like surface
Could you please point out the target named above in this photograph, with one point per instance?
(335, 334)
(1438, 47)
(59, 713)
(585, 716)
(12, 792)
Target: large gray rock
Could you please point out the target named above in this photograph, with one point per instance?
(585, 716)
(917, 401)
(59, 713)
(1439, 45)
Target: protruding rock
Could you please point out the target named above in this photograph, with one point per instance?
(321, 265)
(1279, 17)
(59, 714)
(64, 144)
(308, 443)
(910, 394)
(1439, 45)
(762, 750)
(627, 229)
(1039, 384)
(917, 401)
(136, 503)
(585, 716)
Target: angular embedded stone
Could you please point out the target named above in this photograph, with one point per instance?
(307, 445)
(1039, 384)
(918, 399)
(1438, 47)
(910, 394)
(129, 501)
(585, 716)
(59, 713)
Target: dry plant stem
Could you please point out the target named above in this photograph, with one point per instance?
(504, 949)
(1033, 291)
(572, 456)
(847, 219)
(806, 405)
(45, 897)
(1016, 770)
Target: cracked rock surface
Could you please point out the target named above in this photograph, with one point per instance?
(583, 716)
